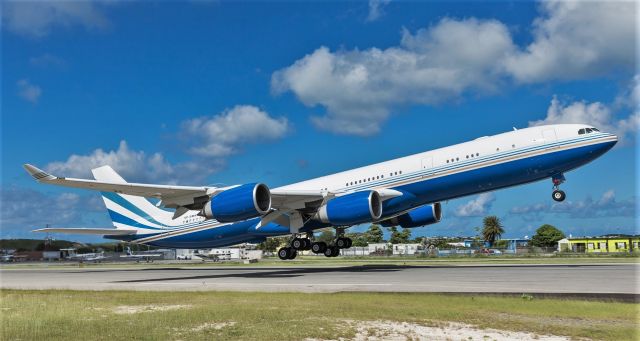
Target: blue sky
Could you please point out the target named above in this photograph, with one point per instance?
(220, 92)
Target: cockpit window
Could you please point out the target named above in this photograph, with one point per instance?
(589, 130)
(594, 129)
(581, 131)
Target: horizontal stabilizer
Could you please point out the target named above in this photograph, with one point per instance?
(110, 232)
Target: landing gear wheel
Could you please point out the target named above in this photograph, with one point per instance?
(349, 243)
(332, 251)
(318, 247)
(558, 195)
(298, 244)
(286, 252)
(342, 243)
(293, 254)
(307, 244)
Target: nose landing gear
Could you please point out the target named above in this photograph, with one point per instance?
(557, 194)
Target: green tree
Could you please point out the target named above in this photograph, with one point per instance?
(547, 236)
(399, 237)
(374, 234)
(326, 236)
(358, 238)
(272, 244)
(492, 229)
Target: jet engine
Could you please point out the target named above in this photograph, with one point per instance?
(352, 209)
(421, 216)
(239, 203)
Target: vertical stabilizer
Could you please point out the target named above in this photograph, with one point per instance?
(132, 212)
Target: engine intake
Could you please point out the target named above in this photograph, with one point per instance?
(352, 209)
(421, 216)
(239, 203)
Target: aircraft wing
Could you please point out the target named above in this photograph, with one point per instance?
(171, 196)
(99, 231)
(287, 199)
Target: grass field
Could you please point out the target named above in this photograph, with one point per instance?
(109, 315)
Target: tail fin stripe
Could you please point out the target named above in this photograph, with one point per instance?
(131, 207)
(121, 219)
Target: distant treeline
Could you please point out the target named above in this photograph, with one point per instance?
(55, 245)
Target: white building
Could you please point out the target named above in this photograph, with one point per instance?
(405, 249)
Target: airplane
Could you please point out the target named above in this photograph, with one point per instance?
(147, 257)
(407, 191)
(95, 257)
(12, 258)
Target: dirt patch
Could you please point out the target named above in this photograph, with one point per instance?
(212, 325)
(444, 331)
(136, 309)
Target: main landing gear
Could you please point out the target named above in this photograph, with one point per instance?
(303, 244)
(557, 194)
(296, 244)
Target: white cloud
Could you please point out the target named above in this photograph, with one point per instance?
(376, 9)
(576, 40)
(606, 206)
(211, 137)
(37, 18)
(223, 134)
(476, 207)
(134, 166)
(359, 88)
(28, 91)
(598, 114)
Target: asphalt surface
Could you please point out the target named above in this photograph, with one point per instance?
(589, 279)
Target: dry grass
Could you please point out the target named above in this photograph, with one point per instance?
(97, 315)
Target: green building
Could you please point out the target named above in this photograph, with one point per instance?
(620, 243)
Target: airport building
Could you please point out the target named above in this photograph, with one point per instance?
(604, 244)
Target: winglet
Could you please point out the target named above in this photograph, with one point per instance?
(38, 173)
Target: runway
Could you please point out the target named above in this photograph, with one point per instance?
(547, 279)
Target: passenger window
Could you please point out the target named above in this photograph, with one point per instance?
(400, 172)
(581, 131)
(477, 154)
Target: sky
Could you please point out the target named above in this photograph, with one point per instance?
(200, 93)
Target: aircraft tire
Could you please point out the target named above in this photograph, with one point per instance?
(342, 243)
(298, 244)
(318, 247)
(558, 195)
(284, 253)
(292, 254)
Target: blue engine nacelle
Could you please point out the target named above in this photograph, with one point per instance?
(352, 209)
(421, 216)
(239, 203)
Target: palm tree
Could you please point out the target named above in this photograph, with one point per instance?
(492, 229)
